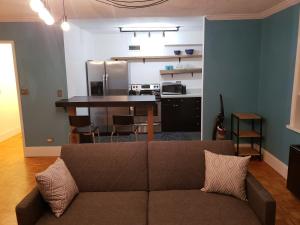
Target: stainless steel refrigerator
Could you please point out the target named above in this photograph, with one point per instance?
(106, 78)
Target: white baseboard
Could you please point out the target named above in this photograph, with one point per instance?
(276, 164)
(271, 160)
(10, 133)
(42, 151)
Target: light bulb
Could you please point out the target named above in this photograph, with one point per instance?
(65, 26)
(45, 15)
(36, 5)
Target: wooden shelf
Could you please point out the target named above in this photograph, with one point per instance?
(248, 134)
(181, 71)
(144, 58)
(183, 45)
(248, 151)
(247, 116)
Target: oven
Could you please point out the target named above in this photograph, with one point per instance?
(140, 112)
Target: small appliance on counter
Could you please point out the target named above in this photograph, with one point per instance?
(171, 88)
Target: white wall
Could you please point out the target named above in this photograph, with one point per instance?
(90, 43)
(108, 45)
(9, 108)
(79, 47)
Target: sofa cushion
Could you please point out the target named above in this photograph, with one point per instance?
(102, 208)
(194, 207)
(177, 165)
(108, 166)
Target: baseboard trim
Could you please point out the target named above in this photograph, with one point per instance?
(42, 151)
(275, 163)
(10, 133)
(271, 160)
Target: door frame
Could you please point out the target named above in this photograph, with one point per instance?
(12, 43)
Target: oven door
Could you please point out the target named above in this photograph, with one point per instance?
(140, 117)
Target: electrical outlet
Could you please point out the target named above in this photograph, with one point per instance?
(59, 93)
(50, 140)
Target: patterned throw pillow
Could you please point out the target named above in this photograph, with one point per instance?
(226, 174)
(57, 186)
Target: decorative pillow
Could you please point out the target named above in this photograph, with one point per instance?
(57, 186)
(226, 174)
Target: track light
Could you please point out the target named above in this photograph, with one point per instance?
(39, 7)
(36, 5)
(45, 15)
(149, 29)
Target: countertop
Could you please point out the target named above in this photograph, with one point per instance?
(190, 93)
(107, 101)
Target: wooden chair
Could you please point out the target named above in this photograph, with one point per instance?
(121, 122)
(82, 125)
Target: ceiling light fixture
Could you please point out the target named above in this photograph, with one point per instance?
(65, 26)
(132, 4)
(39, 7)
(149, 29)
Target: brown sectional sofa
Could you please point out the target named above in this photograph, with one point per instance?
(148, 184)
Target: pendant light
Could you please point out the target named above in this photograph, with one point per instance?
(65, 26)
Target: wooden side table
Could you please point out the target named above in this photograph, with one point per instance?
(251, 134)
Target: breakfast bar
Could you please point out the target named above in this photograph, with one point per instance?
(110, 101)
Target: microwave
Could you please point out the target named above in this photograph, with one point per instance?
(173, 89)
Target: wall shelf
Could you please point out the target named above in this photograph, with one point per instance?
(144, 58)
(181, 71)
(182, 45)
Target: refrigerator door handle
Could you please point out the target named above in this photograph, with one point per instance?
(104, 84)
(107, 81)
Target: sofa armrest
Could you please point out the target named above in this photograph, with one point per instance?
(30, 209)
(261, 201)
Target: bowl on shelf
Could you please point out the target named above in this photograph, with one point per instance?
(177, 52)
(169, 67)
(189, 51)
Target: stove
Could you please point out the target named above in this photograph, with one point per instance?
(145, 89)
(140, 112)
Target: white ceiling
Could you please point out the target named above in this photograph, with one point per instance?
(19, 10)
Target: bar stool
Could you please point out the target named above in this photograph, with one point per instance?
(82, 125)
(120, 123)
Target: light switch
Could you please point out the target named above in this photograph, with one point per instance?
(24, 91)
(59, 93)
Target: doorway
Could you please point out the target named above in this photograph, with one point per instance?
(10, 104)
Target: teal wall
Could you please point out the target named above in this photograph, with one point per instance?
(231, 67)
(278, 54)
(252, 64)
(41, 68)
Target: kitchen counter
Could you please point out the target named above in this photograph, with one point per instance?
(191, 93)
(109, 101)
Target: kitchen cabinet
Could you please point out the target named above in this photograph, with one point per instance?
(181, 114)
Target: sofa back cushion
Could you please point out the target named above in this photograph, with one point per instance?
(107, 167)
(179, 165)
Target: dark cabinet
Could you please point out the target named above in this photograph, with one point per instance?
(181, 114)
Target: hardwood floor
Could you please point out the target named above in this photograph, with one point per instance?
(17, 176)
(17, 179)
